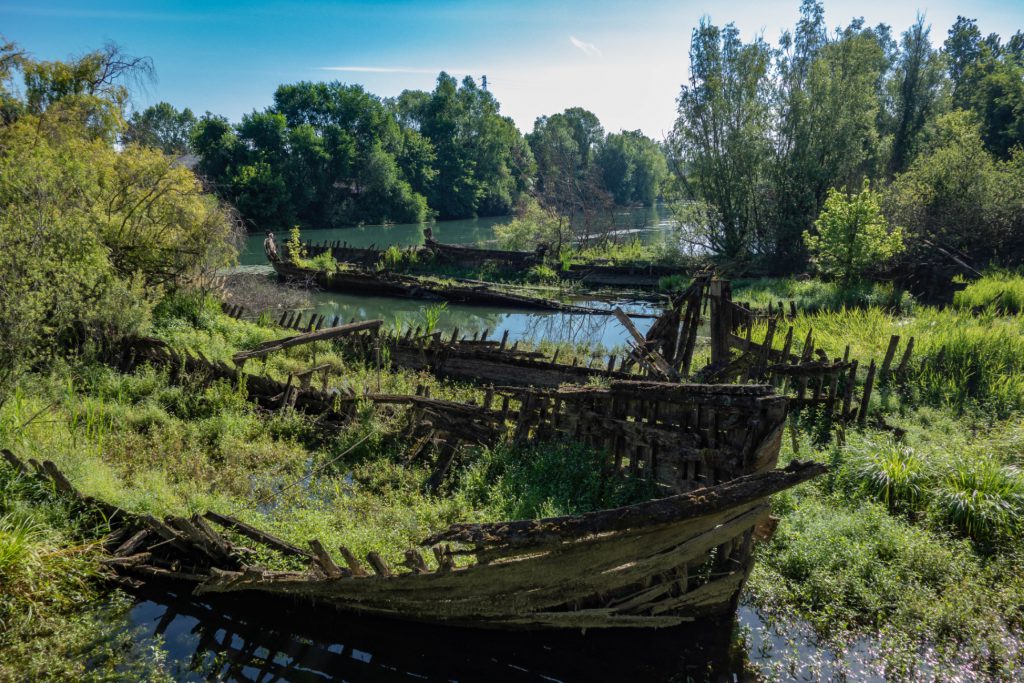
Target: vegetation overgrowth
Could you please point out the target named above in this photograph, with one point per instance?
(911, 543)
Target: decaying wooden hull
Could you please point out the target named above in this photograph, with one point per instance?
(645, 575)
(413, 287)
(639, 275)
(710, 452)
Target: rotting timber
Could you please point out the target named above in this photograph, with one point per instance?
(383, 283)
(633, 275)
(710, 451)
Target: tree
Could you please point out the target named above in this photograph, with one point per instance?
(988, 79)
(918, 83)
(830, 108)
(633, 167)
(91, 235)
(957, 195)
(851, 235)
(162, 126)
(722, 137)
(91, 91)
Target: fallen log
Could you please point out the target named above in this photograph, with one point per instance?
(269, 347)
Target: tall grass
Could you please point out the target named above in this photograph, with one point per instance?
(962, 361)
(999, 292)
(817, 295)
(984, 499)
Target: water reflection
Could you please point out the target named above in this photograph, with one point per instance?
(235, 640)
(642, 222)
(593, 330)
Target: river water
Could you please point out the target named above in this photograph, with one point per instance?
(600, 332)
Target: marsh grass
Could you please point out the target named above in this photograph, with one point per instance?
(816, 295)
(983, 499)
(999, 292)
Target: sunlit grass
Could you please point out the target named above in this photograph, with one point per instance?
(999, 292)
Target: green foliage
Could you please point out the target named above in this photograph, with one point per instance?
(721, 136)
(999, 291)
(633, 167)
(547, 480)
(432, 316)
(396, 258)
(892, 474)
(955, 194)
(673, 283)
(816, 295)
(983, 499)
(534, 225)
(163, 127)
(294, 247)
(852, 236)
(988, 79)
(542, 274)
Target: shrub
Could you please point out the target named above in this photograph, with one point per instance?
(894, 475)
(983, 499)
(852, 235)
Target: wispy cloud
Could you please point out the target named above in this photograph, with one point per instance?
(395, 70)
(589, 49)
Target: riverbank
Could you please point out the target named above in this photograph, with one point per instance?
(911, 541)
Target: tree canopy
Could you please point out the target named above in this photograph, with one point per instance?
(765, 133)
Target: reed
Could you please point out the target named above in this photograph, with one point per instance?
(1001, 292)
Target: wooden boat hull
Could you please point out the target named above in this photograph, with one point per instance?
(638, 275)
(711, 451)
(412, 287)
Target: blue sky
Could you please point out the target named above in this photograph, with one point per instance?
(625, 61)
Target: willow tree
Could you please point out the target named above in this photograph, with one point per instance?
(722, 139)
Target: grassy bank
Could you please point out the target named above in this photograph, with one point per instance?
(910, 541)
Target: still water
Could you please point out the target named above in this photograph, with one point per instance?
(228, 640)
(644, 222)
(225, 638)
(601, 332)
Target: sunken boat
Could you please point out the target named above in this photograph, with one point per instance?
(710, 452)
(357, 280)
(595, 274)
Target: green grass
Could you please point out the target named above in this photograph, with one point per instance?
(911, 538)
(1001, 292)
(56, 621)
(816, 295)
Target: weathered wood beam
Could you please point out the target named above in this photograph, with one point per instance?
(307, 338)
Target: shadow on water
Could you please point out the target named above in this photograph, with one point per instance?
(232, 639)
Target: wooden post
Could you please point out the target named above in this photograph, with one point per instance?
(890, 353)
(902, 367)
(721, 320)
(869, 383)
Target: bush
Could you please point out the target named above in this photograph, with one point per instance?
(893, 475)
(984, 500)
(852, 236)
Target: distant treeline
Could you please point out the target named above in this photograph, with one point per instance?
(331, 154)
(765, 131)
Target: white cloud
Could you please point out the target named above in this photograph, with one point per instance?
(589, 49)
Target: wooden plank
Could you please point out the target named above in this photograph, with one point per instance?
(890, 353)
(865, 399)
(306, 338)
(255, 534)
